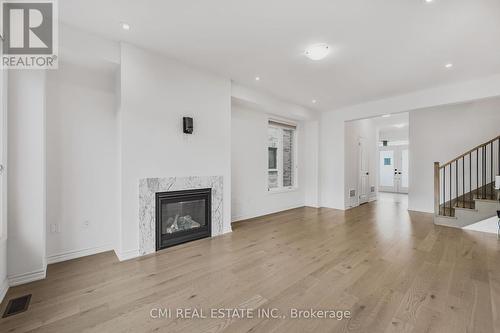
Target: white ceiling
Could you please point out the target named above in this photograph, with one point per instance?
(381, 48)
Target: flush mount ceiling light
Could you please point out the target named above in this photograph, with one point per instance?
(125, 26)
(317, 51)
(314, 101)
(429, 1)
(450, 65)
(386, 116)
(257, 78)
(400, 125)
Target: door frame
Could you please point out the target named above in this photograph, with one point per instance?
(3, 153)
(398, 159)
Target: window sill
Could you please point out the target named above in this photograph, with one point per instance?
(282, 190)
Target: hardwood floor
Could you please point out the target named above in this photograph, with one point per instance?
(393, 269)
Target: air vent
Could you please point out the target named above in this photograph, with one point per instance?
(372, 189)
(352, 193)
(17, 305)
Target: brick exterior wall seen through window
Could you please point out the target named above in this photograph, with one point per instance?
(287, 157)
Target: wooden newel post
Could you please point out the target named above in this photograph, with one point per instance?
(436, 188)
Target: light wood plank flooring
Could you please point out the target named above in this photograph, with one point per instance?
(393, 269)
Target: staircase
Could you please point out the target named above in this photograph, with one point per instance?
(464, 188)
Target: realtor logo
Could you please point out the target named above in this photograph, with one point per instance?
(29, 34)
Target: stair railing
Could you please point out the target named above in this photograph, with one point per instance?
(467, 177)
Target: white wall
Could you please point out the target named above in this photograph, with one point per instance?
(26, 177)
(250, 196)
(81, 160)
(83, 47)
(354, 130)
(439, 134)
(4, 282)
(394, 135)
(156, 93)
(264, 102)
(331, 168)
(311, 162)
(332, 126)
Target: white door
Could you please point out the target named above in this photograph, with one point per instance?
(404, 155)
(364, 174)
(393, 169)
(386, 169)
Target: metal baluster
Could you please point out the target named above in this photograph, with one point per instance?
(482, 172)
(477, 173)
(483, 165)
(444, 191)
(450, 188)
(470, 177)
(491, 169)
(463, 181)
(456, 183)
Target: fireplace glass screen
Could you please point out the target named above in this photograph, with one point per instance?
(182, 216)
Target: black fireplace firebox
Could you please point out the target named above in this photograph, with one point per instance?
(183, 216)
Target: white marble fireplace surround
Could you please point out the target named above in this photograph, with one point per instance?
(148, 187)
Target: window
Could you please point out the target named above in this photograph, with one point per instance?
(387, 161)
(282, 170)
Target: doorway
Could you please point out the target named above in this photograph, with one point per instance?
(377, 153)
(393, 169)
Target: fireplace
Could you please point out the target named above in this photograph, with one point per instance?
(182, 216)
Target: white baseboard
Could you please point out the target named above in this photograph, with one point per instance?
(15, 280)
(243, 217)
(312, 205)
(127, 255)
(4, 287)
(77, 254)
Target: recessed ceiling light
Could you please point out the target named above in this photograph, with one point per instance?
(386, 116)
(428, 1)
(400, 125)
(257, 78)
(317, 51)
(313, 101)
(450, 65)
(125, 26)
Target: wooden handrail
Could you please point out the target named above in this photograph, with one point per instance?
(469, 151)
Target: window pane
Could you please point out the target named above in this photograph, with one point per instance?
(273, 158)
(273, 146)
(274, 134)
(287, 157)
(272, 179)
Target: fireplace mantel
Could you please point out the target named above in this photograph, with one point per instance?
(148, 187)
